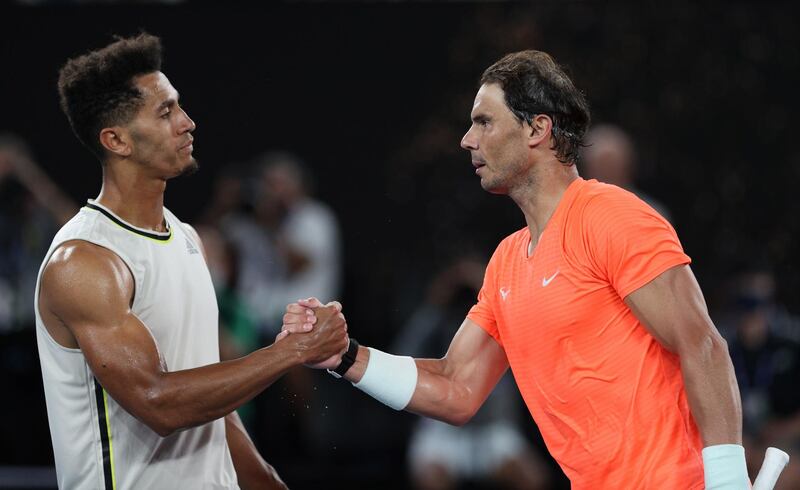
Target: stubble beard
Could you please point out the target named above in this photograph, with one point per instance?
(190, 169)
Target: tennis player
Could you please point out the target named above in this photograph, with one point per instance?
(126, 315)
(593, 305)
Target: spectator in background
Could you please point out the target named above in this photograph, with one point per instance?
(767, 366)
(249, 238)
(306, 234)
(491, 449)
(610, 157)
(275, 244)
(32, 208)
(287, 243)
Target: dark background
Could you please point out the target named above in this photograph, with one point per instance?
(375, 97)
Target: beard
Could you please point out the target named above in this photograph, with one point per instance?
(190, 169)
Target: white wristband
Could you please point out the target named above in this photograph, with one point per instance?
(389, 379)
(725, 468)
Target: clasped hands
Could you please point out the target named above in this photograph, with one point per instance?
(301, 318)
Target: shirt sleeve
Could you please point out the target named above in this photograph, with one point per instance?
(629, 242)
(482, 312)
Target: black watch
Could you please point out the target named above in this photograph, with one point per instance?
(348, 359)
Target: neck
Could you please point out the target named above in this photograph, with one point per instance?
(137, 199)
(539, 197)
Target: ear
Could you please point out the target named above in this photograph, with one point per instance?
(539, 130)
(116, 140)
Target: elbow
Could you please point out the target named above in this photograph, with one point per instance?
(157, 416)
(709, 347)
(459, 420)
(715, 346)
(161, 428)
(460, 415)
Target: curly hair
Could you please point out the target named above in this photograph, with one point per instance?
(534, 84)
(97, 89)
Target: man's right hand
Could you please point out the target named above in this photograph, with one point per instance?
(301, 317)
(322, 346)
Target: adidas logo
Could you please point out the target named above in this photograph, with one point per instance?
(190, 248)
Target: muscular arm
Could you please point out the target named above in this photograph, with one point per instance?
(673, 310)
(252, 471)
(453, 388)
(85, 299)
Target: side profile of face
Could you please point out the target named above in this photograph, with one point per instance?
(161, 131)
(497, 142)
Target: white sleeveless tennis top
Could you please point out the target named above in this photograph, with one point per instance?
(97, 444)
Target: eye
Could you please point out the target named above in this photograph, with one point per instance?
(165, 115)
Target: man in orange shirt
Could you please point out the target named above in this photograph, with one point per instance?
(592, 305)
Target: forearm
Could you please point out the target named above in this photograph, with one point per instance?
(713, 393)
(438, 396)
(251, 469)
(192, 397)
(437, 393)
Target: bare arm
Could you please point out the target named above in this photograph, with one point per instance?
(673, 310)
(454, 387)
(85, 299)
(252, 471)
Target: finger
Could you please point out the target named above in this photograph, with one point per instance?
(295, 308)
(296, 327)
(283, 334)
(311, 302)
(289, 318)
(336, 306)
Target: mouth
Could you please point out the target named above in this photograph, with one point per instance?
(187, 147)
(478, 165)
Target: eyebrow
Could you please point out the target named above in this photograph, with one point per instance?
(480, 117)
(168, 103)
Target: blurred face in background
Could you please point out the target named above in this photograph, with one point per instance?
(497, 142)
(754, 302)
(609, 156)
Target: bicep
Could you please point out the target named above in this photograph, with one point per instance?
(454, 387)
(475, 359)
(89, 289)
(672, 309)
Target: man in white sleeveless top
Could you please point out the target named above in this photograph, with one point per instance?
(126, 317)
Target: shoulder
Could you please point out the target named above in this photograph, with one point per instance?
(512, 241)
(191, 231)
(598, 196)
(607, 207)
(508, 248)
(78, 267)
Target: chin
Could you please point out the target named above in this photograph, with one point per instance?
(493, 187)
(190, 168)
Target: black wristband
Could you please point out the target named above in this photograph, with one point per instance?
(348, 359)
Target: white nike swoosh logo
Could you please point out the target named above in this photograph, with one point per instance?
(548, 280)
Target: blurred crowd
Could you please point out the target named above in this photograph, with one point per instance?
(690, 73)
(269, 241)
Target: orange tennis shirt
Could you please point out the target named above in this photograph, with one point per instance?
(608, 399)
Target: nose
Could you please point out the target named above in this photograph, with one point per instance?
(469, 141)
(187, 125)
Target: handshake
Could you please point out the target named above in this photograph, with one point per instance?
(321, 347)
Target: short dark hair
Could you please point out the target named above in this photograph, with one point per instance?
(533, 84)
(96, 89)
